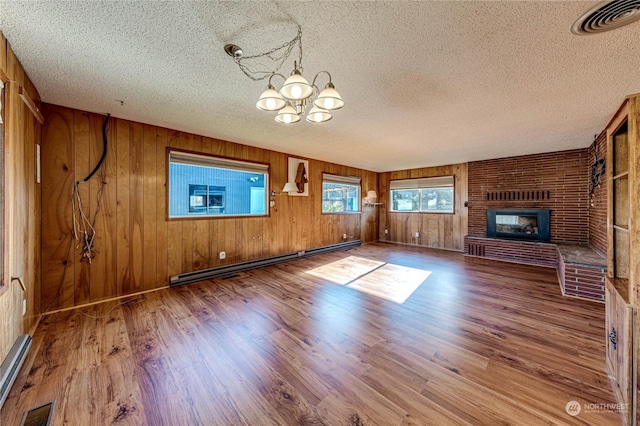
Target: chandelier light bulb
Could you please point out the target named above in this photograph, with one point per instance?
(296, 91)
(287, 115)
(270, 100)
(329, 98)
(296, 87)
(318, 115)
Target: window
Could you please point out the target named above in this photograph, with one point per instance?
(340, 194)
(429, 195)
(203, 185)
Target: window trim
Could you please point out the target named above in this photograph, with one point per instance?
(219, 161)
(344, 179)
(435, 182)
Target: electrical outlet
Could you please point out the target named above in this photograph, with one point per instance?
(24, 307)
(344, 236)
(222, 255)
(386, 231)
(417, 235)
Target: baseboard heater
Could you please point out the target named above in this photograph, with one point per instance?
(207, 274)
(11, 365)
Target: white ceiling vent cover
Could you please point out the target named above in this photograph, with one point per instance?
(607, 16)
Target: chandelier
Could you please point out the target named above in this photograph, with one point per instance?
(296, 94)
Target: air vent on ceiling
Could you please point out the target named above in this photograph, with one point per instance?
(606, 16)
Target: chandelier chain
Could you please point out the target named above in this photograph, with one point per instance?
(279, 59)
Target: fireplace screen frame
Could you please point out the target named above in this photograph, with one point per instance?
(542, 218)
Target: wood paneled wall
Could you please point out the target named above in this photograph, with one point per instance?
(137, 248)
(439, 230)
(21, 205)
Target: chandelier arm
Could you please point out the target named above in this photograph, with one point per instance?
(320, 72)
(278, 74)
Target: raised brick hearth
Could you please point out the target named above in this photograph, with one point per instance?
(536, 253)
(581, 270)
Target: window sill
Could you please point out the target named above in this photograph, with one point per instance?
(341, 212)
(400, 211)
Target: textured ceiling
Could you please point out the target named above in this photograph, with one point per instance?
(424, 83)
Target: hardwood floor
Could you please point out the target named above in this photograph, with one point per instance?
(479, 342)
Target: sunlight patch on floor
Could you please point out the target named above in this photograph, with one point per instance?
(385, 280)
(391, 282)
(345, 270)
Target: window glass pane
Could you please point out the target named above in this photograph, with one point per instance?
(203, 190)
(197, 198)
(340, 197)
(406, 200)
(429, 195)
(436, 200)
(257, 197)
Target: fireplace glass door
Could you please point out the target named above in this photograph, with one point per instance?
(526, 224)
(517, 224)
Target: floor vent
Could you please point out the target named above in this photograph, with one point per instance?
(207, 274)
(606, 16)
(38, 416)
(476, 250)
(11, 365)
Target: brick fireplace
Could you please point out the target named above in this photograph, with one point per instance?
(556, 181)
(506, 194)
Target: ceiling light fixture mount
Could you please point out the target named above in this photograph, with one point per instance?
(233, 50)
(296, 93)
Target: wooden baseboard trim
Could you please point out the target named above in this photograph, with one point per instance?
(97, 302)
(35, 325)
